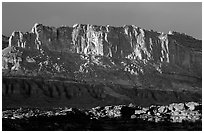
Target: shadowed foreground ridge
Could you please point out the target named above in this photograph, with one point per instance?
(85, 66)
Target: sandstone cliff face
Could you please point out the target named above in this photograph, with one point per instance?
(128, 41)
(126, 64)
(126, 55)
(26, 40)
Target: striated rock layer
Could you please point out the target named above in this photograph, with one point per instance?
(30, 93)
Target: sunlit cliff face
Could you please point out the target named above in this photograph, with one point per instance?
(93, 64)
(128, 42)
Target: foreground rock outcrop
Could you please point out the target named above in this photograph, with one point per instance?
(176, 116)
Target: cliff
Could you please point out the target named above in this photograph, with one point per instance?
(128, 42)
(128, 56)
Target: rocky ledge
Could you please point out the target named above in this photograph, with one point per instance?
(175, 116)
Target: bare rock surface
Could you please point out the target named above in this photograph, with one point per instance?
(127, 42)
(83, 78)
(126, 64)
(118, 117)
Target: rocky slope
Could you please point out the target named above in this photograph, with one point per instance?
(129, 57)
(24, 92)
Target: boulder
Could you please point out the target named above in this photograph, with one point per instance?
(191, 105)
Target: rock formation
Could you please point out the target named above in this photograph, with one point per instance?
(128, 56)
(176, 116)
(128, 41)
(93, 68)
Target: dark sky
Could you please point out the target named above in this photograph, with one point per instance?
(181, 17)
